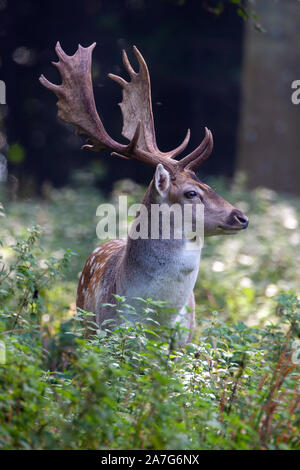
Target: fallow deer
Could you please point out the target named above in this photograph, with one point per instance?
(160, 269)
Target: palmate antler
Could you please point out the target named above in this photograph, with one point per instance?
(76, 105)
(137, 106)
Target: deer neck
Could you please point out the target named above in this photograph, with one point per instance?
(161, 269)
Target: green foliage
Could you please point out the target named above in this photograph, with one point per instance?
(236, 387)
(16, 153)
(246, 9)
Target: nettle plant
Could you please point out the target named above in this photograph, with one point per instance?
(22, 281)
(238, 388)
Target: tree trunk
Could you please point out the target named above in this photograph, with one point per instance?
(269, 136)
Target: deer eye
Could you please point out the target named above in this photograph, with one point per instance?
(191, 194)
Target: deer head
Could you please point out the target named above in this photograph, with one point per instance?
(175, 181)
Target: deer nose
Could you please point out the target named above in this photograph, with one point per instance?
(240, 218)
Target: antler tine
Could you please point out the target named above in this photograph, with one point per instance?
(204, 155)
(132, 73)
(133, 144)
(146, 157)
(182, 146)
(201, 153)
(118, 79)
(131, 147)
(51, 86)
(142, 63)
(61, 53)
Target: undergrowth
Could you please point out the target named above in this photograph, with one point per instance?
(236, 387)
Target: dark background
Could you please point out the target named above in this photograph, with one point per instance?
(194, 57)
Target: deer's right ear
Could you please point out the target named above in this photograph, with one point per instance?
(162, 180)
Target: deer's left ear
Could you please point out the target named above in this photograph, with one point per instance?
(162, 180)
